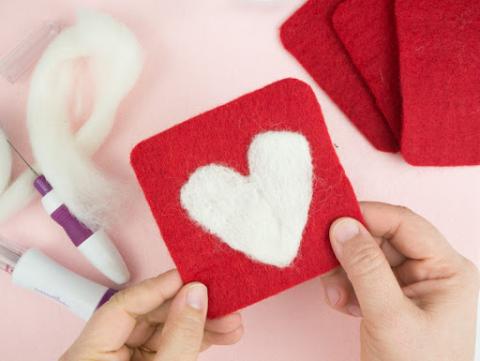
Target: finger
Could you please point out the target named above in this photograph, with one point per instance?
(225, 324)
(210, 338)
(151, 323)
(459, 285)
(159, 315)
(339, 293)
(141, 354)
(409, 233)
(205, 346)
(153, 343)
(184, 329)
(140, 334)
(111, 326)
(234, 337)
(393, 257)
(337, 288)
(375, 285)
(223, 339)
(80, 351)
(413, 271)
(147, 325)
(228, 326)
(123, 354)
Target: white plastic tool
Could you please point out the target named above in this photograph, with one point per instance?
(96, 246)
(35, 271)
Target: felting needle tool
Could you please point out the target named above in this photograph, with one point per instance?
(33, 270)
(97, 247)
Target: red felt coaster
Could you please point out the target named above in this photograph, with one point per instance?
(440, 71)
(165, 162)
(310, 37)
(367, 30)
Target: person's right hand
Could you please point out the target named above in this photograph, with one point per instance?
(416, 295)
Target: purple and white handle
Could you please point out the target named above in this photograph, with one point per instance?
(95, 246)
(36, 271)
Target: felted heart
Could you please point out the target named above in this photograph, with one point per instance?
(262, 165)
(263, 214)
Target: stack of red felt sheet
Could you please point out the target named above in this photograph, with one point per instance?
(406, 72)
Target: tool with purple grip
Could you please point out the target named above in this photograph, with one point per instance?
(96, 246)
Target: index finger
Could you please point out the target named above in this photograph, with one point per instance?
(110, 327)
(410, 234)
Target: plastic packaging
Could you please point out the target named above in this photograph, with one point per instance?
(9, 256)
(22, 58)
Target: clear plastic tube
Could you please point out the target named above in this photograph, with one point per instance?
(9, 256)
(22, 58)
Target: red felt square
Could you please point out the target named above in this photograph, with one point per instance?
(440, 71)
(309, 36)
(367, 30)
(165, 162)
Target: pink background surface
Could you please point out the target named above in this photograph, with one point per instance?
(200, 54)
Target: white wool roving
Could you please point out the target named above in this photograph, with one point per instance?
(17, 195)
(115, 62)
(5, 162)
(264, 214)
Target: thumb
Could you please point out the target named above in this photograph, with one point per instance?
(183, 332)
(373, 281)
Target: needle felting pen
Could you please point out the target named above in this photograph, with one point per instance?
(97, 247)
(35, 271)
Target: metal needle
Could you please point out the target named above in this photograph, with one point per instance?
(22, 158)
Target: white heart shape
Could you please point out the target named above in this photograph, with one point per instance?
(264, 214)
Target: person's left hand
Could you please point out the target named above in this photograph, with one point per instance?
(156, 320)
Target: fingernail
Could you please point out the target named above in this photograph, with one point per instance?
(346, 230)
(333, 295)
(197, 296)
(354, 310)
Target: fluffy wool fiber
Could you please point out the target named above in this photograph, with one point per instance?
(5, 162)
(367, 30)
(263, 214)
(254, 148)
(115, 61)
(309, 36)
(440, 70)
(17, 195)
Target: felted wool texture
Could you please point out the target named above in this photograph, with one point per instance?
(224, 137)
(367, 30)
(440, 71)
(263, 214)
(115, 62)
(309, 36)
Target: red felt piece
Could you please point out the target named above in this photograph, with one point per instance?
(440, 76)
(309, 36)
(367, 30)
(164, 163)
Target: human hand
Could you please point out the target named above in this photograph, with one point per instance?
(416, 295)
(156, 320)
